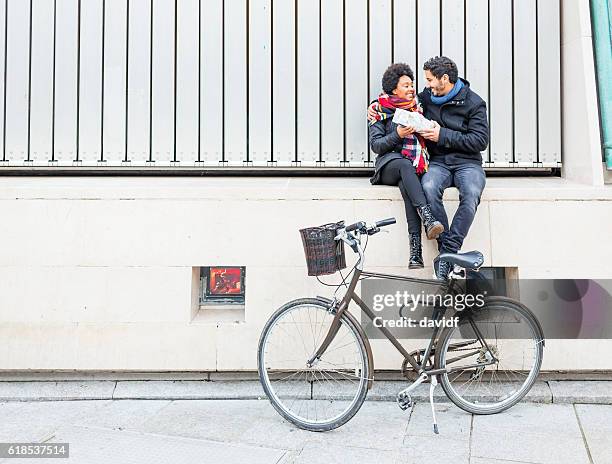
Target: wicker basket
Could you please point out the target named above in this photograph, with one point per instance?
(324, 255)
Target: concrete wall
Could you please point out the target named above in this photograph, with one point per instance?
(96, 274)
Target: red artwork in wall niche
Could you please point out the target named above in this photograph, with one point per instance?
(225, 281)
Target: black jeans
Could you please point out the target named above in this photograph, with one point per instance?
(470, 180)
(401, 172)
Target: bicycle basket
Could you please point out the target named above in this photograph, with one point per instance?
(324, 255)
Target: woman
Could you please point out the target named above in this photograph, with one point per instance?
(402, 156)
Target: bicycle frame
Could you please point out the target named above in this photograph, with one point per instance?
(439, 312)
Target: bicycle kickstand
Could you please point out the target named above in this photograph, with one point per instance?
(432, 386)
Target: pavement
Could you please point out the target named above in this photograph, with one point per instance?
(165, 422)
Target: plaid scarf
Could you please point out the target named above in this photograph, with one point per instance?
(413, 146)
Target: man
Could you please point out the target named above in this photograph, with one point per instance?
(454, 144)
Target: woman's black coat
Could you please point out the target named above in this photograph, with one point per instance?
(386, 143)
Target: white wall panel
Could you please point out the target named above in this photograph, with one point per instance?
(41, 105)
(477, 51)
(260, 82)
(332, 83)
(356, 83)
(17, 64)
(115, 36)
(211, 83)
(380, 37)
(404, 37)
(500, 106)
(428, 33)
(525, 82)
(308, 84)
(187, 64)
(283, 81)
(66, 50)
(235, 78)
(90, 101)
(380, 43)
(163, 82)
(4, 159)
(453, 30)
(549, 90)
(139, 82)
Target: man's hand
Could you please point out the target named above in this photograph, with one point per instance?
(404, 131)
(433, 135)
(372, 112)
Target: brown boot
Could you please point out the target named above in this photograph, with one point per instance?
(433, 228)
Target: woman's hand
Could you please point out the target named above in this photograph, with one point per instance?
(372, 112)
(404, 131)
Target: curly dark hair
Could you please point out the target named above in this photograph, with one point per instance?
(440, 65)
(393, 74)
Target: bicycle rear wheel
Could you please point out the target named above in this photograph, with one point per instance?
(495, 353)
(327, 394)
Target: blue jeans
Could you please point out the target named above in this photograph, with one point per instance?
(470, 180)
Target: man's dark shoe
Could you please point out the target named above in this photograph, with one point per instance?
(441, 269)
(416, 252)
(433, 227)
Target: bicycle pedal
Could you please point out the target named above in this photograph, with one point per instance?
(404, 401)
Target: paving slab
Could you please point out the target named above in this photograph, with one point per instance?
(586, 391)
(376, 425)
(319, 453)
(34, 421)
(223, 420)
(122, 414)
(474, 460)
(452, 423)
(530, 433)
(101, 446)
(596, 422)
(525, 447)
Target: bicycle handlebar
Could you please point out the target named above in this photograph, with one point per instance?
(357, 225)
(363, 227)
(385, 222)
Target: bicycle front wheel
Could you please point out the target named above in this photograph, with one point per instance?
(328, 393)
(494, 354)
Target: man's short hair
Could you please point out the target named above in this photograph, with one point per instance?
(393, 74)
(440, 65)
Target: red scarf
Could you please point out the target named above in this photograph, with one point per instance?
(413, 146)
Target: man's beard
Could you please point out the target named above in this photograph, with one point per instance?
(437, 91)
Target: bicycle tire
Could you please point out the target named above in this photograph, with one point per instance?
(504, 304)
(265, 381)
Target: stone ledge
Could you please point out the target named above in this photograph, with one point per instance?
(276, 188)
(583, 392)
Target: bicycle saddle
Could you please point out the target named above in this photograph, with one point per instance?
(469, 260)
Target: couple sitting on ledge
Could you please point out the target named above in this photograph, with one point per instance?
(425, 161)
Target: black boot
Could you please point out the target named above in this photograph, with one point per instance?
(433, 228)
(441, 269)
(416, 254)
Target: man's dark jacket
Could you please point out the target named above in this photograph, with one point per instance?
(464, 131)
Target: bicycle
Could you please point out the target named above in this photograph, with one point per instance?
(316, 366)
